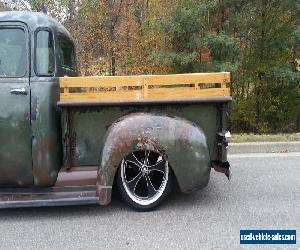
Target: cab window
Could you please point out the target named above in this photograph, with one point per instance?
(13, 55)
(66, 53)
(44, 54)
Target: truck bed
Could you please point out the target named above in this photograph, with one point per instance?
(91, 104)
(91, 107)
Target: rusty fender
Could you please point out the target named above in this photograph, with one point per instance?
(181, 142)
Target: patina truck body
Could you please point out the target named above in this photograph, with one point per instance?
(62, 145)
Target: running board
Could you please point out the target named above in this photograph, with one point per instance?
(41, 197)
(76, 186)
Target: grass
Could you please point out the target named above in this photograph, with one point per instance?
(238, 138)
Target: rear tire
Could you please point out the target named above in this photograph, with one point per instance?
(144, 180)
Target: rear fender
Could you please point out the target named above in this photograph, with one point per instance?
(181, 142)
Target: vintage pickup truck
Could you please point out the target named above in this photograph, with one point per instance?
(69, 140)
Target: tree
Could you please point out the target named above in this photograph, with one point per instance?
(265, 92)
(192, 36)
(3, 6)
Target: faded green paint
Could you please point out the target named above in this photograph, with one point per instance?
(46, 131)
(185, 133)
(15, 131)
(15, 135)
(30, 129)
(90, 125)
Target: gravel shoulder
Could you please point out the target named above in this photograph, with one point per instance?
(246, 138)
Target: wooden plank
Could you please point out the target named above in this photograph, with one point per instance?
(187, 93)
(100, 81)
(153, 94)
(109, 95)
(116, 81)
(198, 78)
(117, 88)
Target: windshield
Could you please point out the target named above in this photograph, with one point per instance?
(12, 52)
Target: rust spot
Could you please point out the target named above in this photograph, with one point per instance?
(103, 192)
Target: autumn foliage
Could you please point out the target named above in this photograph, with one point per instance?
(257, 41)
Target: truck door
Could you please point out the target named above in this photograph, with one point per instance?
(15, 129)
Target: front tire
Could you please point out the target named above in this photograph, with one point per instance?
(144, 180)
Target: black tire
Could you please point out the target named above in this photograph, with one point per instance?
(135, 177)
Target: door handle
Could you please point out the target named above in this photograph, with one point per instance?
(18, 91)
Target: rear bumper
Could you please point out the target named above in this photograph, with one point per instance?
(221, 163)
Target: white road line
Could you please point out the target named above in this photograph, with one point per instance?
(264, 155)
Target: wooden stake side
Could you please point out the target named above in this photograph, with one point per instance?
(147, 87)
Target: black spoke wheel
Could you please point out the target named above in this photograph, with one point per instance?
(144, 180)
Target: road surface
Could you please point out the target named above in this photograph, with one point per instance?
(264, 193)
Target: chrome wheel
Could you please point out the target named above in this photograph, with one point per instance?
(144, 176)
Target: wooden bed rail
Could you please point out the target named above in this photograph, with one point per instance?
(145, 87)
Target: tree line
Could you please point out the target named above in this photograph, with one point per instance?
(258, 41)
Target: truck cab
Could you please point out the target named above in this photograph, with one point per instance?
(35, 50)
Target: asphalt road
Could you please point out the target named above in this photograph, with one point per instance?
(263, 194)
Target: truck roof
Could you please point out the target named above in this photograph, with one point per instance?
(34, 20)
